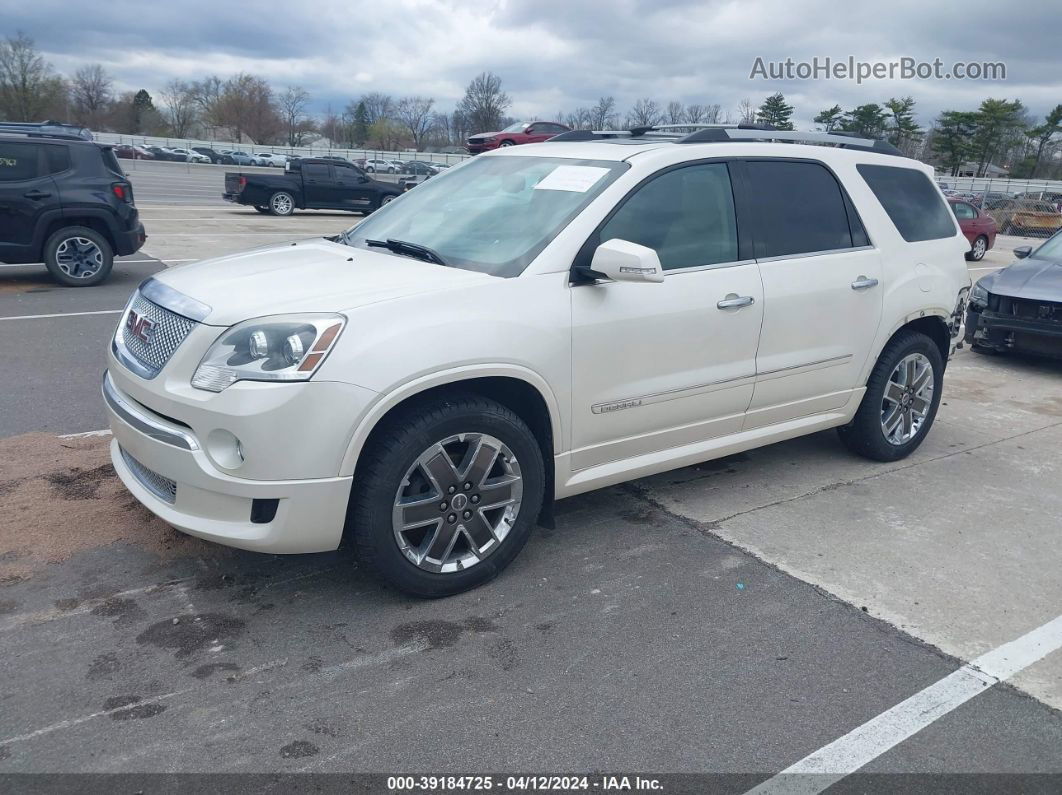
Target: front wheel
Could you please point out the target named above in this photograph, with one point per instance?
(507, 143)
(978, 249)
(78, 256)
(281, 203)
(903, 393)
(446, 496)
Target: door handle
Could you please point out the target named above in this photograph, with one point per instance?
(735, 301)
(863, 283)
(36, 194)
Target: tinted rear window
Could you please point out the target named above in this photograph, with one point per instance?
(800, 209)
(19, 161)
(911, 201)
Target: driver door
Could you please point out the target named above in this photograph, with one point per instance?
(658, 366)
(353, 189)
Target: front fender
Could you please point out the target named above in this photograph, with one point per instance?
(389, 398)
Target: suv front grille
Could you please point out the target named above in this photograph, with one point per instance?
(159, 485)
(1046, 311)
(152, 349)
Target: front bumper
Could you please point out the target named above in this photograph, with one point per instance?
(988, 329)
(481, 146)
(165, 465)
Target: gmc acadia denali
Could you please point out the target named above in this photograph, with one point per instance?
(535, 323)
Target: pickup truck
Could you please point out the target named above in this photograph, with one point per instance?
(310, 184)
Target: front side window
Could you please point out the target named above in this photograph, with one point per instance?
(798, 208)
(685, 215)
(490, 214)
(911, 201)
(19, 161)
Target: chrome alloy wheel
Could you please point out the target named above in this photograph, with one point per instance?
(908, 396)
(457, 502)
(79, 257)
(979, 248)
(281, 204)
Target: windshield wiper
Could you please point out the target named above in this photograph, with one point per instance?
(409, 249)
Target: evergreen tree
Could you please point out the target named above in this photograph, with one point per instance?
(776, 112)
(829, 118)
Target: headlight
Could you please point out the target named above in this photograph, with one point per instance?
(978, 296)
(279, 348)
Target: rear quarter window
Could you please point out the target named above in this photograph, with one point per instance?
(911, 202)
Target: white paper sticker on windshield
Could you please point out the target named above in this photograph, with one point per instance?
(578, 179)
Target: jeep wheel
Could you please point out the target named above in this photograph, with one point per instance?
(78, 256)
(446, 496)
(901, 400)
(281, 203)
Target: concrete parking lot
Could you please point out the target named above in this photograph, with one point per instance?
(735, 616)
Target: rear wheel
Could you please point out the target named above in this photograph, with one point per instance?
(78, 256)
(446, 496)
(978, 249)
(903, 393)
(281, 203)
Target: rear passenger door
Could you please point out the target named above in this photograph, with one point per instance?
(822, 290)
(318, 185)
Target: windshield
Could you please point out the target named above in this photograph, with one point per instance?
(515, 127)
(1052, 249)
(490, 214)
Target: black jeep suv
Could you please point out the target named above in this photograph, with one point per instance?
(65, 202)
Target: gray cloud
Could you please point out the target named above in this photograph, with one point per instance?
(554, 54)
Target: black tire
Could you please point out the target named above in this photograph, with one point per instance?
(864, 435)
(69, 235)
(370, 169)
(972, 255)
(383, 467)
(507, 143)
(263, 210)
(281, 203)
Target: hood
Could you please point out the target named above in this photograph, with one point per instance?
(483, 135)
(314, 275)
(1035, 279)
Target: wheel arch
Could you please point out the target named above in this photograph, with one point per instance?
(931, 322)
(96, 221)
(519, 389)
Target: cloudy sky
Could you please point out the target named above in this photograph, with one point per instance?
(558, 54)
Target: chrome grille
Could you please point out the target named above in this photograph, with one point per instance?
(168, 332)
(159, 485)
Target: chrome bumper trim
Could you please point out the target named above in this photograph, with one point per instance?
(136, 417)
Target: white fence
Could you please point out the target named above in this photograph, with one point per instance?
(297, 151)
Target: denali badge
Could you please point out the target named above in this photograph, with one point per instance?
(140, 327)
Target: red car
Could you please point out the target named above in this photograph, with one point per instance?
(979, 227)
(523, 132)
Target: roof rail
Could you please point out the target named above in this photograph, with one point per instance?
(41, 134)
(725, 133)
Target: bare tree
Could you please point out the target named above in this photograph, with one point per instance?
(29, 88)
(645, 113)
(246, 107)
(746, 112)
(207, 93)
(292, 104)
(702, 114)
(414, 113)
(484, 103)
(91, 93)
(377, 106)
(676, 113)
(179, 107)
(603, 114)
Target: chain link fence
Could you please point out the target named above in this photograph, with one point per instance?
(1025, 208)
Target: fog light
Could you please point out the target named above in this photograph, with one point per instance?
(224, 449)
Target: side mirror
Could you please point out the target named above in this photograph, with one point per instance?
(363, 179)
(1021, 252)
(624, 261)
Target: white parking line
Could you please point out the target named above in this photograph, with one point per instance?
(64, 314)
(862, 745)
(993, 268)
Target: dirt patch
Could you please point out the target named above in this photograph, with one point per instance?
(61, 496)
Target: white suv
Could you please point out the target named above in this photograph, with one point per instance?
(531, 324)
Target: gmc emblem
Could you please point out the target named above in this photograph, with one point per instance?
(140, 327)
